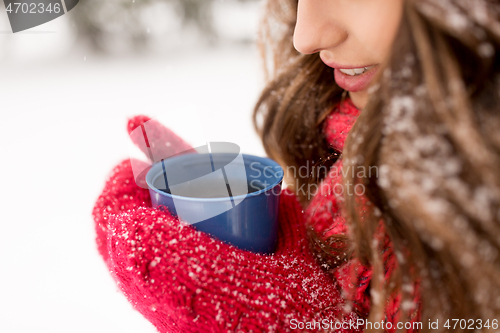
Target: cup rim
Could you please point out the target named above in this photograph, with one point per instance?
(150, 176)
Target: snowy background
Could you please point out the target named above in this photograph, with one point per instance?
(65, 105)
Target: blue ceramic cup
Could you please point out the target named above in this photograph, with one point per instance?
(233, 197)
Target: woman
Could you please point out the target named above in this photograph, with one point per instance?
(420, 241)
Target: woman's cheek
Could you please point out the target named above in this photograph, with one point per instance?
(377, 27)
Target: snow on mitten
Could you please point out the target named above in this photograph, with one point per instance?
(183, 280)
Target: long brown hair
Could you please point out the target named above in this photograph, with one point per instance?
(299, 95)
(431, 127)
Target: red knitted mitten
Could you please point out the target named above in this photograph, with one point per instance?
(183, 280)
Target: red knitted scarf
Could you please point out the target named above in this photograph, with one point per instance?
(325, 213)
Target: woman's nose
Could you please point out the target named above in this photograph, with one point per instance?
(316, 28)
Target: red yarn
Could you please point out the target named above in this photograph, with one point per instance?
(183, 280)
(325, 214)
(339, 123)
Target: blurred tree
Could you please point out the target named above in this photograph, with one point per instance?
(104, 23)
(198, 13)
(117, 24)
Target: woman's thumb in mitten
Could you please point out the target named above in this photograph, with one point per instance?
(155, 140)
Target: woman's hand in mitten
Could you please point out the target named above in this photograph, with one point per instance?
(183, 280)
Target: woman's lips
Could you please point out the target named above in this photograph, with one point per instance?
(355, 83)
(353, 78)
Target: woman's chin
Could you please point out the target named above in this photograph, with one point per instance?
(359, 98)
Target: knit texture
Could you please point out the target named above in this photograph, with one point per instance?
(183, 280)
(324, 213)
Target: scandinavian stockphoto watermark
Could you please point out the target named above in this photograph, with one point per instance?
(364, 324)
(26, 14)
(325, 188)
(359, 324)
(219, 172)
